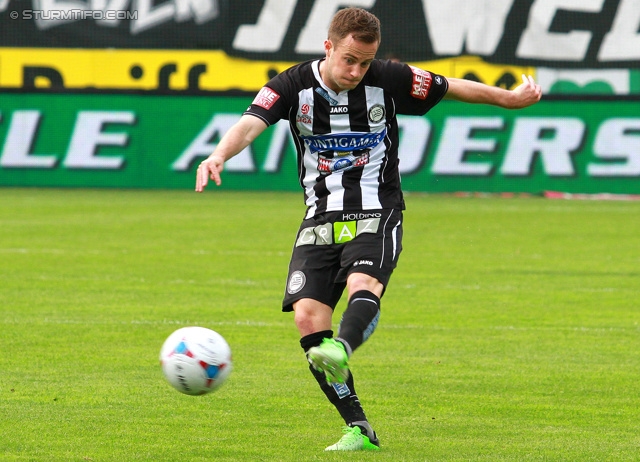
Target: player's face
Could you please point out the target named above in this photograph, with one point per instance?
(347, 62)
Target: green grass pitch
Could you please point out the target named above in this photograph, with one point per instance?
(509, 332)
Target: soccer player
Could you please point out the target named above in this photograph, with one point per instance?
(342, 112)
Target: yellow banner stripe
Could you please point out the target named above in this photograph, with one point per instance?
(173, 69)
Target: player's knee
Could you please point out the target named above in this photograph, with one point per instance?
(311, 316)
(360, 281)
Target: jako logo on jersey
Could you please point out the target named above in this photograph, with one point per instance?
(344, 142)
(266, 98)
(421, 83)
(339, 110)
(322, 92)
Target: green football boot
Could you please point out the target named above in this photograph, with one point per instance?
(354, 440)
(331, 358)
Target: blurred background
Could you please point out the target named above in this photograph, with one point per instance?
(134, 93)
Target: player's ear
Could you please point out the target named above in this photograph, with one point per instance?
(327, 47)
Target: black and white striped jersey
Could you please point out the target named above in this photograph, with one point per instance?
(347, 142)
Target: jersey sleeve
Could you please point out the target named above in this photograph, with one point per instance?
(273, 101)
(414, 90)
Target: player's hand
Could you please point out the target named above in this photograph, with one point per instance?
(210, 168)
(527, 93)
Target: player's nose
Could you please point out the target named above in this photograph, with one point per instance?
(356, 72)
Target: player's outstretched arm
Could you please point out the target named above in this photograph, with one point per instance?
(235, 140)
(525, 94)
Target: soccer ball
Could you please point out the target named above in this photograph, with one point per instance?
(195, 360)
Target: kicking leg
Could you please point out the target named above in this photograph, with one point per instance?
(309, 315)
(360, 318)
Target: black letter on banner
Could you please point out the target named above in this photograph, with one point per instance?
(30, 73)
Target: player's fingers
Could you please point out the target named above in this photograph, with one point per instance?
(215, 175)
(211, 172)
(203, 174)
(201, 178)
(536, 87)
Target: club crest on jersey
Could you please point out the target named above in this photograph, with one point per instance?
(421, 83)
(376, 113)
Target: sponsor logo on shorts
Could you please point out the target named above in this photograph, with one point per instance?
(297, 280)
(339, 232)
(266, 98)
(360, 216)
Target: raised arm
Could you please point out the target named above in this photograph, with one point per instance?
(235, 140)
(525, 94)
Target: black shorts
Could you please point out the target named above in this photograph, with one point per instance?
(332, 245)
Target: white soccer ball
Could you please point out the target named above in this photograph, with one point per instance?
(195, 360)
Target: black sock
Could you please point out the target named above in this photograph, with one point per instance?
(359, 320)
(315, 339)
(342, 395)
